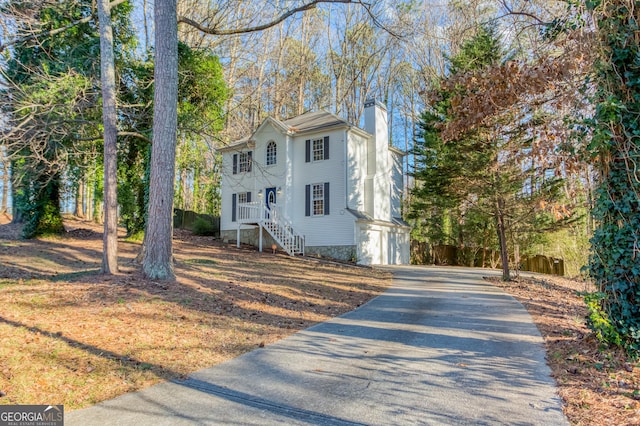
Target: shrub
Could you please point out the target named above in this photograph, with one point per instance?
(599, 321)
(203, 227)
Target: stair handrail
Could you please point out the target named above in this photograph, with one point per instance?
(294, 242)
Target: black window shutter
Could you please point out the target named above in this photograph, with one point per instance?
(326, 198)
(235, 164)
(248, 197)
(307, 200)
(249, 160)
(326, 147)
(307, 151)
(234, 205)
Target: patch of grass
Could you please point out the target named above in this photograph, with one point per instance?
(136, 237)
(70, 276)
(200, 262)
(7, 283)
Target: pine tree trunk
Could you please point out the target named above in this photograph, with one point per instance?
(502, 237)
(80, 198)
(89, 196)
(157, 250)
(18, 214)
(107, 71)
(4, 206)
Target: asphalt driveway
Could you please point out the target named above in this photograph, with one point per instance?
(441, 346)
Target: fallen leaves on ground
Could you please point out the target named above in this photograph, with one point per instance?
(599, 386)
(73, 336)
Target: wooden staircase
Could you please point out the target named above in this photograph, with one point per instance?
(276, 224)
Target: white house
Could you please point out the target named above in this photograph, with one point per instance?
(316, 184)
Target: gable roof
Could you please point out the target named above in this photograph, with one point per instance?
(307, 122)
(314, 121)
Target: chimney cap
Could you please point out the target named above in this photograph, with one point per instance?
(373, 102)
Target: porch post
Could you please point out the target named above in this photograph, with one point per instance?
(238, 237)
(260, 238)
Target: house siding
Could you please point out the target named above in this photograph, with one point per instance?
(272, 176)
(357, 160)
(359, 175)
(233, 184)
(397, 184)
(336, 228)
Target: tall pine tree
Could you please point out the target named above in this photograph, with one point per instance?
(480, 182)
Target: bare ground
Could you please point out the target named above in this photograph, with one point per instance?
(75, 337)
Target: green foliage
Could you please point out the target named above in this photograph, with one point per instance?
(42, 210)
(570, 244)
(202, 94)
(202, 226)
(599, 321)
(445, 172)
(484, 49)
(53, 103)
(136, 94)
(614, 264)
(445, 206)
(133, 176)
(135, 237)
(484, 188)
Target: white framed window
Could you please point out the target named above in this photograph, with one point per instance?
(318, 149)
(316, 199)
(243, 197)
(244, 162)
(317, 193)
(272, 153)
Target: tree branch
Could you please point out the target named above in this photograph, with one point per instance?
(56, 30)
(274, 22)
(135, 135)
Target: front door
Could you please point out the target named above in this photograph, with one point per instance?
(270, 197)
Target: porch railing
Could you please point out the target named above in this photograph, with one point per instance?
(275, 222)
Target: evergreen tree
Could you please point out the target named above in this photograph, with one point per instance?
(482, 179)
(52, 102)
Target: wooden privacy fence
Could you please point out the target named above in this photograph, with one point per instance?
(423, 253)
(543, 264)
(185, 219)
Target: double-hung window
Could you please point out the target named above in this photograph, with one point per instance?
(242, 162)
(316, 149)
(317, 199)
(317, 191)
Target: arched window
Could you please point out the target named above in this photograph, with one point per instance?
(271, 153)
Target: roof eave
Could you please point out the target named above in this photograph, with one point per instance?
(238, 146)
